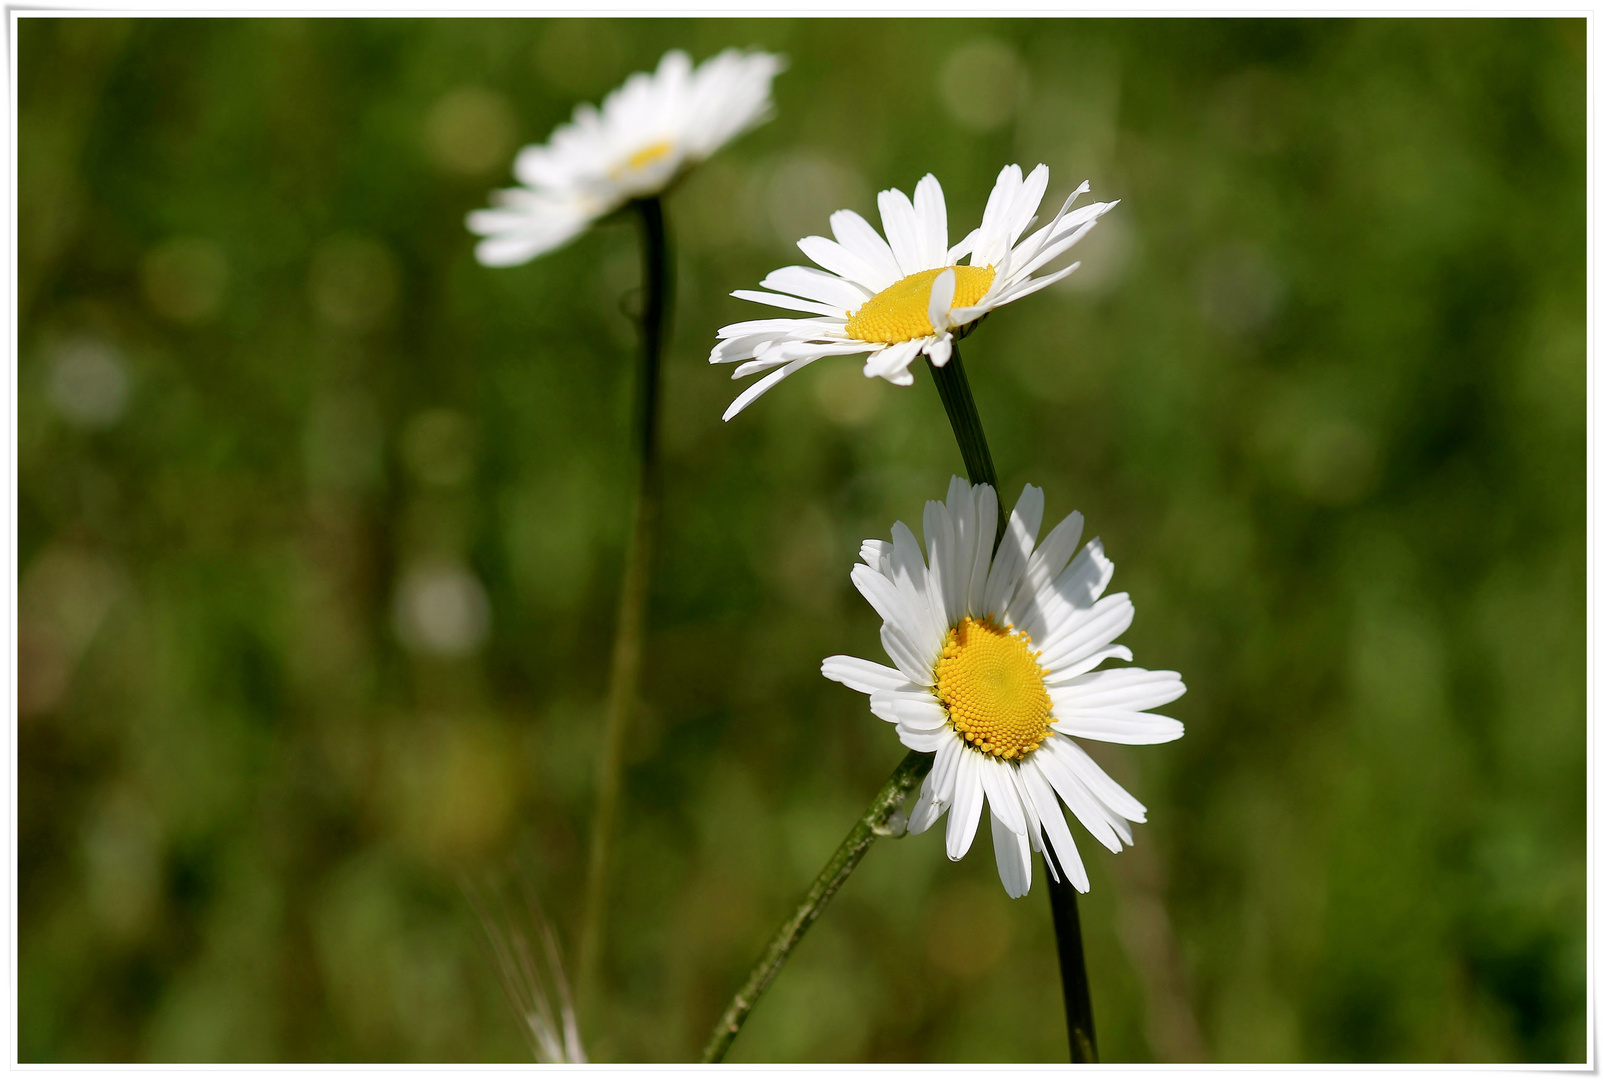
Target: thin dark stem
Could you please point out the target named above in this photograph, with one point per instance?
(952, 383)
(881, 819)
(1071, 964)
(623, 684)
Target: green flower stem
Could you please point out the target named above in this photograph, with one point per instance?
(623, 686)
(951, 381)
(881, 819)
(1071, 965)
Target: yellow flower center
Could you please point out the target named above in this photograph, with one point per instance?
(901, 312)
(644, 156)
(993, 689)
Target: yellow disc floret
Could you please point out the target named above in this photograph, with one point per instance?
(646, 155)
(901, 312)
(992, 688)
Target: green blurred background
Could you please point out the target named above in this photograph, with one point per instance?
(321, 524)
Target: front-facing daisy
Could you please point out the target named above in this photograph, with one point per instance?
(905, 294)
(645, 134)
(994, 672)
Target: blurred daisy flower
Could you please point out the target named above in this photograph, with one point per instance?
(994, 672)
(905, 294)
(646, 133)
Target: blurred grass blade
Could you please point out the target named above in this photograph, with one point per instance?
(536, 986)
(623, 689)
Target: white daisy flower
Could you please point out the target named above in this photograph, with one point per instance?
(646, 133)
(994, 673)
(906, 294)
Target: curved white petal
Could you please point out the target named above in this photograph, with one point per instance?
(1012, 857)
(942, 289)
(812, 307)
(929, 206)
(901, 230)
(812, 284)
(1014, 550)
(1002, 792)
(1130, 728)
(1083, 633)
(968, 799)
(1038, 789)
(873, 552)
(763, 385)
(864, 676)
(984, 538)
(1107, 790)
(1059, 770)
(940, 537)
(1119, 688)
(857, 236)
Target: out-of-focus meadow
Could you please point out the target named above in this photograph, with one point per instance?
(321, 522)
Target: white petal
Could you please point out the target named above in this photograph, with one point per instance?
(1072, 790)
(812, 307)
(960, 506)
(920, 739)
(915, 709)
(857, 236)
(912, 583)
(847, 264)
(1075, 590)
(1119, 688)
(813, 284)
(1014, 550)
(926, 811)
(908, 659)
(1043, 567)
(1130, 728)
(1012, 857)
(763, 385)
(1002, 792)
(929, 204)
(984, 541)
(777, 328)
(864, 676)
(967, 801)
(942, 289)
(941, 539)
(1038, 789)
(1059, 676)
(936, 794)
(873, 551)
(901, 229)
(753, 367)
(881, 592)
(1084, 633)
(1107, 790)
(890, 363)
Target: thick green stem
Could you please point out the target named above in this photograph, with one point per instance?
(951, 381)
(881, 819)
(623, 685)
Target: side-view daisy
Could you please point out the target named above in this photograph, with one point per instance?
(646, 133)
(994, 672)
(905, 294)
